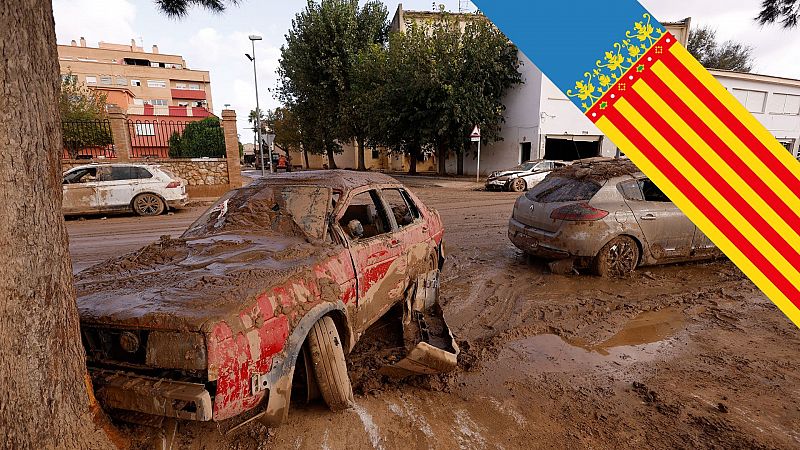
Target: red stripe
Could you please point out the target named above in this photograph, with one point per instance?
(734, 124)
(713, 177)
(723, 150)
(690, 191)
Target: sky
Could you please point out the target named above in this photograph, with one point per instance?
(218, 42)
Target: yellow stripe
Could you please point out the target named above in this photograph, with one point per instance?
(706, 189)
(727, 99)
(727, 136)
(717, 164)
(699, 219)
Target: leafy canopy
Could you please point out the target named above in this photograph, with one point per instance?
(728, 55)
(199, 139)
(787, 12)
(83, 111)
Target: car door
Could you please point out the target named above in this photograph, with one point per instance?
(117, 187)
(375, 250)
(79, 187)
(669, 233)
(538, 173)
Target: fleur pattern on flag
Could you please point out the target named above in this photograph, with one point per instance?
(624, 56)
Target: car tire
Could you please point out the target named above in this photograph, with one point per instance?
(618, 258)
(148, 205)
(517, 185)
(329, 366)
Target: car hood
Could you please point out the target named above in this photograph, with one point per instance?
(508, 173)
(182, 284)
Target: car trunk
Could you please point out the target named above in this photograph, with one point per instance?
(535, 209)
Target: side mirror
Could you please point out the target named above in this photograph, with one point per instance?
(355, 230)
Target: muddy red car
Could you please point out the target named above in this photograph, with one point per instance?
(266, 292)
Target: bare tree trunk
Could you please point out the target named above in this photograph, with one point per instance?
(441, 158)
(414, 153)
(361, 163)
(331, 161)
(46, 399)
(461, 162)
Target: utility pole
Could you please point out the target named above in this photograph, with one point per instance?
(253, 38)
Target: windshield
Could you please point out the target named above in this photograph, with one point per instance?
(557, 189)
(525, 167)
(283, 210)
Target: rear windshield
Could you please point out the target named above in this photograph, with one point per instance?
(557, 189)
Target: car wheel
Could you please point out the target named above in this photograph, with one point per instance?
(148, 205)
(617, 259)
(329, 366)
(517, 185)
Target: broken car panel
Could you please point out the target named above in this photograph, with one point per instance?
(210, 325)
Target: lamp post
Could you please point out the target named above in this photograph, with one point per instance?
(270, 144)
(253, 39)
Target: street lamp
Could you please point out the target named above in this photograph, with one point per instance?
(253, 38)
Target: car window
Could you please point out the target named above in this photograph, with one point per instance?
(141, 173)
(401, 205)
(558, 189)
(365, 217)
(115, 173)
(651, 192)
(86, 175)
(630, 190)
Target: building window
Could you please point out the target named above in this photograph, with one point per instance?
(194, 87)
(106, 81)
(138, 102)
(156, 83)
(136, 83)
(198, 104)
(91, 80)
(144, 129)
(754, 101)
(376, 154)
(788, 144)
(121, 81)
(785, 104)
(183, 104)
(158, 102)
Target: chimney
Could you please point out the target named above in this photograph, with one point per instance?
(73, 43)
(83, 42)
(155, 49)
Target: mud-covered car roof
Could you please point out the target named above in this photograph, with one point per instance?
(339, 180)
(598, 169)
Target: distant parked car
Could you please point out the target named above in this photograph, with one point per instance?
(147, 190)
(522, 177)
(608, 216)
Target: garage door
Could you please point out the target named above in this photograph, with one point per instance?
(570, 148)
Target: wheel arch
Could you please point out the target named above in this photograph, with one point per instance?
(632, 236)
(133, 199)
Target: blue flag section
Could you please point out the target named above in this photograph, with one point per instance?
(582, 46)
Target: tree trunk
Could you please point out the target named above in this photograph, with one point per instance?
(331, 161)
(414, 153)
(46, 397)
(361, 163)
(461, 162)
(305, 154)
(441, 158)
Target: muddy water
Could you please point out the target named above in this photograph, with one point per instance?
(686, 356)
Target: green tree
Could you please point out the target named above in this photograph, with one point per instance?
(787, 12)
(283, 123)
(317, 70)
(39, 328)
(82, 110)
(200, 139)
(728, 55)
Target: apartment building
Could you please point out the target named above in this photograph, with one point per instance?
(141, 83)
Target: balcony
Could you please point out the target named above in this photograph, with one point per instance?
(188, 94)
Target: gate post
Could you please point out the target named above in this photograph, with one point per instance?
(232, 148)
(119, 132)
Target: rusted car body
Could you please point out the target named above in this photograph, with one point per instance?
(210, 325)
(606, 215)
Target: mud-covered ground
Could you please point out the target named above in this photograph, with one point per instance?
(681, 356)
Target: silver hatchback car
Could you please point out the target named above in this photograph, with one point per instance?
(607, 216)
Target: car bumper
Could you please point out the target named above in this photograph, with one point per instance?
(129, 392)
(496, 185)
(178, 203)
(535, 242)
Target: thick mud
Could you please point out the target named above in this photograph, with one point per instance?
(682, 356)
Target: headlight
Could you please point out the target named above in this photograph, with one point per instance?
(172, 350)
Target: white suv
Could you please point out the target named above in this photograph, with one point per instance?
(148, 190)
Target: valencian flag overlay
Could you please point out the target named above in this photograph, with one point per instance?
(677, 123)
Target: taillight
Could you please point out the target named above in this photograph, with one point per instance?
(578, 212)
(174, 184)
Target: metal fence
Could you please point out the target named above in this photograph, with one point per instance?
(151, 138)
(87, 139)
